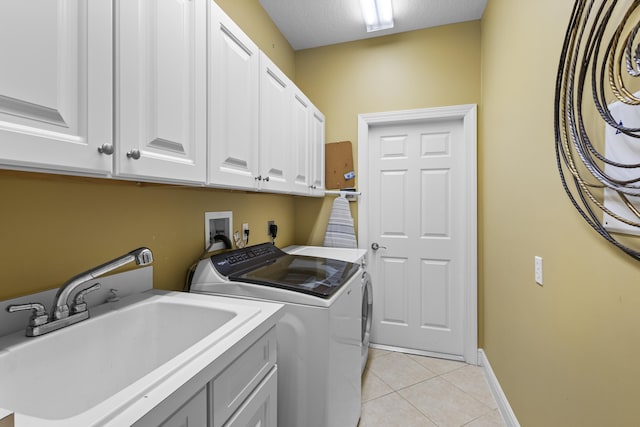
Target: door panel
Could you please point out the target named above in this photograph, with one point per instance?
(301, 140)
(161, 89)
(317, 156)
(55, 84)
(417, 216)
(275, 136)
(234, 104)
(394, 270)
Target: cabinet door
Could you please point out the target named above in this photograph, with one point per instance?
(275, 128)
(192, 414)
(261, 407)
(301, 143)
(161, 89)
(234, 64)
(55, 84)
(317, 158)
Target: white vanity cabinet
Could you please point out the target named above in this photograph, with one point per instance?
(234, 77)
(55, 85)
(239, 394)
(161, 90)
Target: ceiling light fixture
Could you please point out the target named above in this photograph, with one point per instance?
(378, 14)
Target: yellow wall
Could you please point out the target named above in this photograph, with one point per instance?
(427, 68)
(565, 353)
(53, 227)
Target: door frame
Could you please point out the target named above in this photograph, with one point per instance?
(468, 114)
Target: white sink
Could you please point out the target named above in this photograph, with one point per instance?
(97, 368)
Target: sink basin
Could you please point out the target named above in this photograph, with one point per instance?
(117, 356)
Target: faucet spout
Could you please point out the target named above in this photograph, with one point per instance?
(60, 308)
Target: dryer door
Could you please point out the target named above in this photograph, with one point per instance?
(367, 311)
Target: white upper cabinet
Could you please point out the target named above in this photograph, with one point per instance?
(317, 149)
(55, 85)
(151, 90)
(161, 89)
(308, 128)
(301, 142)
(234, 67)
(276, 162)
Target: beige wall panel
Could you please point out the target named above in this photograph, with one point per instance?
(426, 68)
(565, 353)
(54, 227)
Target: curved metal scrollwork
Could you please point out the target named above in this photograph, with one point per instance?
(599, 66)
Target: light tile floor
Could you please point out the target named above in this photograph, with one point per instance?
(406, 390)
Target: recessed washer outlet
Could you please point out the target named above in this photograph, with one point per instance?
(217, 223)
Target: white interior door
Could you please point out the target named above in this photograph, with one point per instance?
(420, 209)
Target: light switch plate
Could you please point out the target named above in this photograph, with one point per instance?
(538, 270)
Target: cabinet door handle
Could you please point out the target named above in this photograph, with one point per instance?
(106, 149)
(258, 178)
(266, 179)
(133, 154)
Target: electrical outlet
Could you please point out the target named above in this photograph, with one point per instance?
(269, 224)
(217, 223)
(538, 270)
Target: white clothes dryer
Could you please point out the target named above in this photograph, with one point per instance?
(318, 337)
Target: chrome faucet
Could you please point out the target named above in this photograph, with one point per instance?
(61, 316)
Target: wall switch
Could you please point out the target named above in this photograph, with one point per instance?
(538, 270)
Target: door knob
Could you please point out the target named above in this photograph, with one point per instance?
(133, 154)
(106, 149)
(376, 246)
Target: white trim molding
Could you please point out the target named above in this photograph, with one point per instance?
(468, 114)
(507, 413)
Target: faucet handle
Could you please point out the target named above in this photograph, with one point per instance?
(79, 304)
(39, 316)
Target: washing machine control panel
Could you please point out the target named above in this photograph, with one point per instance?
(247, 258)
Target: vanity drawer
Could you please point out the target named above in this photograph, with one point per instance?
(239, 379)
(261, 407)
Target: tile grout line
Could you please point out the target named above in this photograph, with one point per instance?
(471, 395)
(436, 375)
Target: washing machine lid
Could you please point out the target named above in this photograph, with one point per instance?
(269, 266)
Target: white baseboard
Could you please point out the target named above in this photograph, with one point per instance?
(501, 400)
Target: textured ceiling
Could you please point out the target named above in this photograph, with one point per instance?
(313, 23)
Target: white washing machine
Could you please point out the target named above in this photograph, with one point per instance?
(319, 344)
(358, 256)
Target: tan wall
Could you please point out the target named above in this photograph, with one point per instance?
(427, 68)
(565, 353)
(53, 227)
